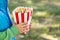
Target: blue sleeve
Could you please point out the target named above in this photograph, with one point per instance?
(5, 21)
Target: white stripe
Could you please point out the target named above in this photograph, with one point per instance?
(30, 17)
(25, 17)
(19, 14)
(14, 17)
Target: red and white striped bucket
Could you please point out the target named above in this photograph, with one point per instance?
(22, 17)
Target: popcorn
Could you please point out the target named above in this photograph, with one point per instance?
(23, 9)
(22, 15)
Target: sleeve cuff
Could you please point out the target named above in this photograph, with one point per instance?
(15, 30)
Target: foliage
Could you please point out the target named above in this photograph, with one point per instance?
(40, 6)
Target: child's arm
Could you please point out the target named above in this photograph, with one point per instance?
(12, 32)
(19, 29)
(9, 34)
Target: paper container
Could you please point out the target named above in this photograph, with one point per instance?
(22, 15)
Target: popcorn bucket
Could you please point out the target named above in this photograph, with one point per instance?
(22, 15)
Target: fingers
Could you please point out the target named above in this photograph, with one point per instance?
(24, 28)
(27, 28)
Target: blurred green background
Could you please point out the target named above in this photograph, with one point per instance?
(45, 21)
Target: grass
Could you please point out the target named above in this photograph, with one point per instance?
(35, 32)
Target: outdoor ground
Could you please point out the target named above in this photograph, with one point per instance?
(45, 21)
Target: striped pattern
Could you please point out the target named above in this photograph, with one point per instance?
(22, 17)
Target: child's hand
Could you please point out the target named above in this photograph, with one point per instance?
(23, 28)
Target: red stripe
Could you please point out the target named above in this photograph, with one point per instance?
(22, 17)
(27, 16)
(17, 19)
